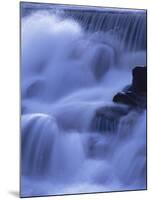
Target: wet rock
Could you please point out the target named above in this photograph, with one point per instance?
(135, 95)
(139, 82)
(106, 119)
(131, 99)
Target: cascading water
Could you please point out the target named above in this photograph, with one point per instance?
(72, 65)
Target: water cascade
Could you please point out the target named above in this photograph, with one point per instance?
(73, 62)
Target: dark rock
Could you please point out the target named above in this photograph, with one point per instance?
(130, 99)
(139, 82)
(135, 94)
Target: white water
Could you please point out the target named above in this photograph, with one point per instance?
(67, 74)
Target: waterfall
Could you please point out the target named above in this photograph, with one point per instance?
(74, 139)
(129, 26)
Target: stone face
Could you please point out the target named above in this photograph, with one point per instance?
(135, 94)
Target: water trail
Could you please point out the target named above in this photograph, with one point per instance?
(70, 72)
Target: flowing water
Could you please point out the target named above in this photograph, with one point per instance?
(73, 63)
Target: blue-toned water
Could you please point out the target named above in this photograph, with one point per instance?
(73, 63)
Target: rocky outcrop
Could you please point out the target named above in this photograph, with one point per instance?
(132, 98)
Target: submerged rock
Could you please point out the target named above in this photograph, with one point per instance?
(103, 59)
(106, 119)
